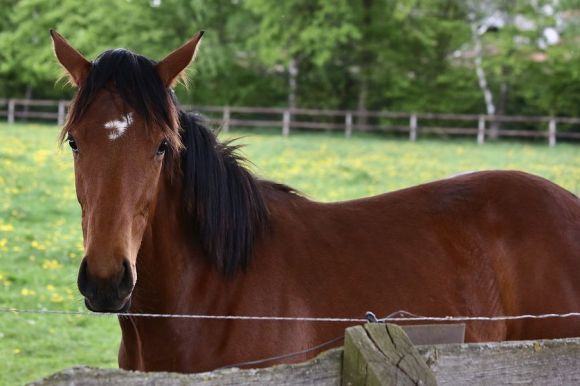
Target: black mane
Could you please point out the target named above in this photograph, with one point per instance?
(135, 79)
(224, 200)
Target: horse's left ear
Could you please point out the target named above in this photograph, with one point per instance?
(73, 62)
(173, 65)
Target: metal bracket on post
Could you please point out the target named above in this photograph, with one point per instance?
(372, 318)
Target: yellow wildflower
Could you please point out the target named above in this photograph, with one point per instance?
(27, 292)
(51, 265)
(6, 228)
(36, 245)
(56, 298)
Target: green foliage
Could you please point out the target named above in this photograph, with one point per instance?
(300, 29)
(412, 64)
(376, 54)
(554, 85)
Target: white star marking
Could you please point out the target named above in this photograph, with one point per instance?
(119, 126)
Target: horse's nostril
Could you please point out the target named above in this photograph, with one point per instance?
(82, 281)
(109, 291)
(126, 284)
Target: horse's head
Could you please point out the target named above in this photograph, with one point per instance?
(122, 128)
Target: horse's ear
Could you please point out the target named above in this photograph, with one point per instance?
(73, 62)
(173, 65)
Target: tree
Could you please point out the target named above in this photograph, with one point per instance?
(553, 74)
(405, 54)
(409, 55)
(94, 26)
(298, 33)
(509, 36)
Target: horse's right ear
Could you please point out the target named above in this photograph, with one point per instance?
(73, 62)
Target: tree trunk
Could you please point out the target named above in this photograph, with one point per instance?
(504, 91)
(292, 84)
(487, 95)
(362, 119)
(365, 59)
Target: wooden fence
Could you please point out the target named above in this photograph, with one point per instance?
(411, 124)
(377, 354)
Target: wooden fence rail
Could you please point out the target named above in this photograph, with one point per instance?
(414, 124)
(377, 354)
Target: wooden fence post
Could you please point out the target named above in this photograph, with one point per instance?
(481, 130)
(286, 123)
(382, 354)
(61, 112)
(552, 132)
(413, 127)
(11, 109)
(226, 119)
(348, 125)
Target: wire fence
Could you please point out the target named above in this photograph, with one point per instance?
(398, 316)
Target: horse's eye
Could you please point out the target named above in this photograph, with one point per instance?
(162, 148)
(72, 143)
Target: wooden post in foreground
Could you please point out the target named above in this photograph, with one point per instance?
(382, 354)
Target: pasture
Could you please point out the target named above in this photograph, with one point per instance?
(40, 237)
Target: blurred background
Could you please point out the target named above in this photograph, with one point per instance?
(453, 56)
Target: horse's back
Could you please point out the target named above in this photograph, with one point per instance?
(486, 243)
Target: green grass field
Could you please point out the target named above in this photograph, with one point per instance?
(40, 238)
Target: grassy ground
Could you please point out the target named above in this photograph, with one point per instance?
(40, 240)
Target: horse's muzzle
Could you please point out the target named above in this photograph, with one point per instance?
(111, 294)
(108, 306)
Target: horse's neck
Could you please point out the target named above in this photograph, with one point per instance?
(170, 257)
(174, 276)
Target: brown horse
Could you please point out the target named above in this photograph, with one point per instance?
(173, 223)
